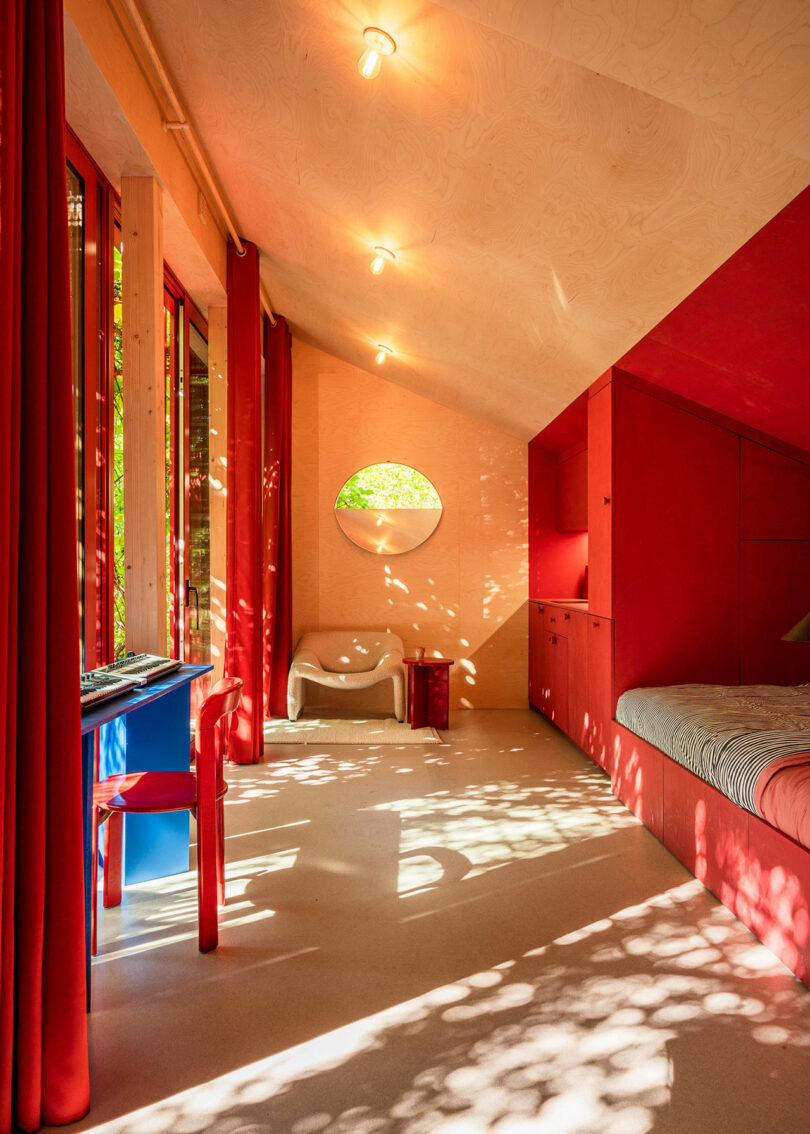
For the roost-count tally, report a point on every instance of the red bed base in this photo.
(760, 874)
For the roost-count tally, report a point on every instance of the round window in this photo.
(388, 508)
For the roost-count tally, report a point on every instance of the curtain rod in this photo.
(266, 304)
(180, 123)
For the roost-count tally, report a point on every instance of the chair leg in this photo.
(206, 864)
(399, 698)
(295, 698)
(113, 846)
(220, 852)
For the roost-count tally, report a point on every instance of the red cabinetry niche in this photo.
(563, 683)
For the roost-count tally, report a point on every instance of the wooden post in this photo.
(218, 478)
(144, 415)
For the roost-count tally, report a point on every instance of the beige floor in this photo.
(467, 938)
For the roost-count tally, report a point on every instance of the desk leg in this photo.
(88, 753)
(419, 696)
(156, 737)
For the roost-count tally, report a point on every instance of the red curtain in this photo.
(243, 652)
(43, 1027)
(277, 559)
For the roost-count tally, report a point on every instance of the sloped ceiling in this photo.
(555, 177)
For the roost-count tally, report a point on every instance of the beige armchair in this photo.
(346, 659)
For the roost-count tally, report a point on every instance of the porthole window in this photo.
(388, 509)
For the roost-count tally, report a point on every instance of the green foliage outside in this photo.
(388, 486)
(119, 612)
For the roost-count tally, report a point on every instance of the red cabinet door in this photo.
(536, 655)
(600, 502)
(600, 689)
(555, 700)
(576, 623)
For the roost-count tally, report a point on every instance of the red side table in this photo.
(428, 691)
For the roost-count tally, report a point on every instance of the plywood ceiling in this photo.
(554, 175)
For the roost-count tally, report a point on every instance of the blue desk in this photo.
(146, 729)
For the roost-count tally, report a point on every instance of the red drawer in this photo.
(554, 620)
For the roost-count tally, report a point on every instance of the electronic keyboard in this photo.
(121, 676)
(140, 668)
(96, 687)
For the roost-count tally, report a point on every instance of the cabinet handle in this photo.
(553, 640)
(606, 499)
(596, 625)
(566, 616)
(552, 619)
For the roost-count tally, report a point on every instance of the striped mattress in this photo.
(731, 736)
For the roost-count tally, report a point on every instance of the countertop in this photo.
(565, 604)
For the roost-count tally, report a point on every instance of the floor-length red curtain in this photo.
(43, 1028)
(243, 650)
(277, 558)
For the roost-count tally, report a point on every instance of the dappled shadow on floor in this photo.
(485, 941)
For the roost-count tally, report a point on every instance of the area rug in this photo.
(357, 730)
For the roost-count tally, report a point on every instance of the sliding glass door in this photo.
(90, 203)
(197, 583)
(187, 478)
(97, 258)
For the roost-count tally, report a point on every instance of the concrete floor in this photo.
(468, 938)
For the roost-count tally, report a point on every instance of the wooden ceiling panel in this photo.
(545, 216)
(744, 63)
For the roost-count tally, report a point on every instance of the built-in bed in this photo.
(751, 742)
(721, 775)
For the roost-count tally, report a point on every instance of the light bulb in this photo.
(382, 353)
(378, 263)
(378, 43)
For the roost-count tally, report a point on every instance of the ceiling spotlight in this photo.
(378, 43)
(383, 352)
(381, 255)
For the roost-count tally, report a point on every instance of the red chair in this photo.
(200, 792)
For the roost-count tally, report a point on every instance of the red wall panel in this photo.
(774, 595)
(739, 342)
(676, 530)
(572, 493)
(774, 495)
(556, 560)
(567, 429)
(600, 502)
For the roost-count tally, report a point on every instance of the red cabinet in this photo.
(555, 700)
(601, 706)
(576, 622)
(553, 620)
(571, 672)
(676, 555)
(774, 495)
(774, 596)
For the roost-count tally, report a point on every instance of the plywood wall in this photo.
(463, 592)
